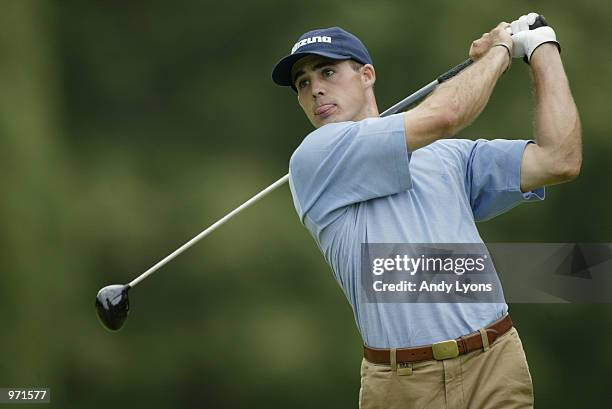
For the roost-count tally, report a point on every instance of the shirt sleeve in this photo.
(493, 177)
(348, 162)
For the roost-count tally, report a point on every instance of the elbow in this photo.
(449, 122)
(572, 172)
(571, 160)
(567, 174)
(566, 157)
(568, 168)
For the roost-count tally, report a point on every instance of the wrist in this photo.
(543, 55)
(502, 54)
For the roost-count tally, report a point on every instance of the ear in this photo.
(368, 75)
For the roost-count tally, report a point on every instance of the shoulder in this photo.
(457, 145)
(370, 137)
(326, 135)
(456, 150)
(319, 142)
(468, 147)
(483, 151)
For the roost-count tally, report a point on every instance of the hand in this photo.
(498, 36)
(526, 41)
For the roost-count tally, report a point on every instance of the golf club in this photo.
(112, 303)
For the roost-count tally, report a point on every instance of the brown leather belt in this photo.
(441, 350)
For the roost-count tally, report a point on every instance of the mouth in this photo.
(325, 110)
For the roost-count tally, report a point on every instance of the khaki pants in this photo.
(498, 378)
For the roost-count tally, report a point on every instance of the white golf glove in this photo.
(526, 41)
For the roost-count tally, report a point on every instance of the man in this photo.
(359, 178)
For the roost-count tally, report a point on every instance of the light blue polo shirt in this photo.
(356, 182)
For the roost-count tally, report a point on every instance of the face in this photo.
(332, 90)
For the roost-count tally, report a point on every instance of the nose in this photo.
(317, 88)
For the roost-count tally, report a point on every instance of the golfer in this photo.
(358, 178)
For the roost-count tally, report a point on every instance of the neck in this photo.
(370, 110)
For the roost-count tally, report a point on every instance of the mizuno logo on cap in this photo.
(311, 40)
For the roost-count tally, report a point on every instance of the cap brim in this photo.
(281, 74)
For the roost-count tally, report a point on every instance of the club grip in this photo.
(540, 21)
(454, 71)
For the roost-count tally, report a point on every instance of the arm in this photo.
(459, 101)
(556, 156)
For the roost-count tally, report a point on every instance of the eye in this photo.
(302, 84)
(328, 72)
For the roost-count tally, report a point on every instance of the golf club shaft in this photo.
(406, 102)
(209, 230)
(427, 89)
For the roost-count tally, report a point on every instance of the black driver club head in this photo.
(112, 306)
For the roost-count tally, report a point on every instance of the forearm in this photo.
(467, 94)
(557, 124)
(456, 103)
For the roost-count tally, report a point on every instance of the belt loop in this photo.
(393, 356)
(485, 339)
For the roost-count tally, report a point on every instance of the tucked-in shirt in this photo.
(356, 182)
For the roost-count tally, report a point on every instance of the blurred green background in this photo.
(128, 127)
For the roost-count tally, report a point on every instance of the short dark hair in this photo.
(356, 65)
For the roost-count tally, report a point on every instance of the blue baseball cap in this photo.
(331, 42)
